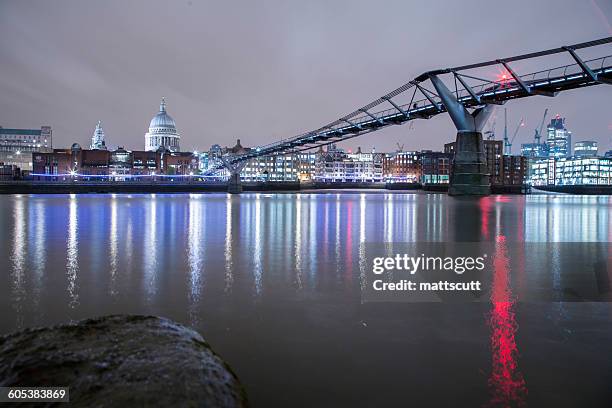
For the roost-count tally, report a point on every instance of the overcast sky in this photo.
(265, 70)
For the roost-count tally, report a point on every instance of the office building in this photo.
(281, 167)
(503, 169)
(534, 150)
(572, 171)
(335, 165)
(17, 145)
(180, 163)
(402, 167)
(559, 139)
(585, 148)
(435, 167)
(120, 162)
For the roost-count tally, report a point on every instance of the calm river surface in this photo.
(273, 282)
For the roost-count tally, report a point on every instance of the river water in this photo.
(273, 282)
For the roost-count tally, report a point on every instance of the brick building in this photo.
(504, 170)
(435, 167)
(402, 167)
(63, 164)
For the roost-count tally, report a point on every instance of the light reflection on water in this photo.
(267, 265)
(195, 253)
(18, 258)
(506, 382)
(113, 246)
(72, 253)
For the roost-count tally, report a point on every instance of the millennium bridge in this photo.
(468, 93)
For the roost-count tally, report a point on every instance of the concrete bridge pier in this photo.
(234, 185)
(469, 173)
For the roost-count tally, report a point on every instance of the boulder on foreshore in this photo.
(121, 361)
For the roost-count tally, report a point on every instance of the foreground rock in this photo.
(121, 361)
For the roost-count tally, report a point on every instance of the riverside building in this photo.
(559, 139)
(504, 169)
(335, 165)
(17, 145)
(572, 171)
(585, 148)
(120, 164)
(402, 167)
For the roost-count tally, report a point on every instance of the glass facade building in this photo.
(559, 139)
(585, 148)
(572, 171)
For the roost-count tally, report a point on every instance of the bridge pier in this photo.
(469, 173)
(234, 185)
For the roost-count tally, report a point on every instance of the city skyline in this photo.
(274, 71)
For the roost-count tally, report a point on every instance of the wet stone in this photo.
(121, 361)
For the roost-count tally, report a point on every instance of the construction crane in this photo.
(518, 127)
(400, 147)
(538, 132)
(507, 141)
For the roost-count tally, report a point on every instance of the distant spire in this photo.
(162, 105)
(97, 139)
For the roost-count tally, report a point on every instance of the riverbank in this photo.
(106, 187)
(38, 187)
(581, 190)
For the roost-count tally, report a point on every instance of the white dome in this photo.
(162, 119)
(162, 132)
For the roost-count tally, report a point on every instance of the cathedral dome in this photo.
(162, 119)
(162, 132)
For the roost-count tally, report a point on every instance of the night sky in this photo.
(265, 70)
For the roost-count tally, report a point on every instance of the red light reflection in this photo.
(485, 212)
(506, 382)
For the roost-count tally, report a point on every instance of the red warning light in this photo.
(503, 78)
